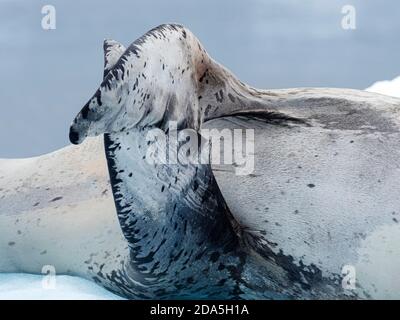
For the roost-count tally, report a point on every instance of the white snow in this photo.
(387, 87)
(33, 287)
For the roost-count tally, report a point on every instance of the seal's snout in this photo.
(73, 136)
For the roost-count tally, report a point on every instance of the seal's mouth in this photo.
(74, 136)
(81, 125)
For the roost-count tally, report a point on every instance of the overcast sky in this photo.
(47, 76)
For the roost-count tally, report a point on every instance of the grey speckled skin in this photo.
(324, 193)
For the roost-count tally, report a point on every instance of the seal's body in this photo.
(57, 210)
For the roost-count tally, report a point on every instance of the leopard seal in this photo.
(325, 158)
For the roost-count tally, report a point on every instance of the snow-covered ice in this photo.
(387, 87)
(30, 287)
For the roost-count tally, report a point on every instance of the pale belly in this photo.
(58, 210)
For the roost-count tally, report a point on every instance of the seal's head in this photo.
(107, 110)
(100, 112)
(150, 82)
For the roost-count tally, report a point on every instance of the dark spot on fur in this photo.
(190, 280)
(219, 96)
(97, 95)
(203, 76)
(311, 185)
(11, 243)
(221, 282)
(231, 97)
(85, 111)
(56, 199)
(214, 256)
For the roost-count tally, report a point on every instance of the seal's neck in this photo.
(175, 221)
(220, 93)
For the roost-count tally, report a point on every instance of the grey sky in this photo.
(47, 76)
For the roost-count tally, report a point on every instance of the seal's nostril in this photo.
(73, 136)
